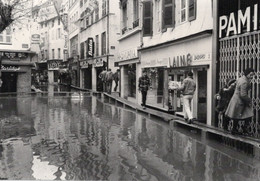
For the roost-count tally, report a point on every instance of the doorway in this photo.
(202, 96)
(9, 82)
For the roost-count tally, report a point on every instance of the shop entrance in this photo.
(99, 82)
(9, 82)
(202, 96)
(87, 73)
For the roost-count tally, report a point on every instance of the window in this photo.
(42, 53)
(184, 10)
(92, 18)
(168, 14)
(53, 23)
(124, 16)
(104, 7)
(103, 45)
(5, 36)
(46, 54)
(97, 13)
(97, 45)
(136, 9)
(58, 53)
(82, 50)
(192, 10)
(87, 22)
(53, 54)
(147, 18)
(58, 33)
(58, 21)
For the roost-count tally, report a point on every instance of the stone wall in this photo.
(24, 81)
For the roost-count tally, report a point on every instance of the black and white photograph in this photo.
(130, 90)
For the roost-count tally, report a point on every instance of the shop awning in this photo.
(126, 62)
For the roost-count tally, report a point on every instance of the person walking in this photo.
(188, 88)
(116, 76)
(143, 86)
(240, 105)
(102, 78)
(109, 80)
(223, 98)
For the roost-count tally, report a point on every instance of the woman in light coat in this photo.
(239, 107)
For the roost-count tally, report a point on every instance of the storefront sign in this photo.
(98, 63)
(90, 47)
(10, 68)
(13, 55)
(128, 54)
(53, 64)
(180, 61)
(84, 64)
(202, 57)
(66, 42)
(236, 21)
(156, 63)
(35, 38)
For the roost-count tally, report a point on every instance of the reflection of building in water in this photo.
(16, 160)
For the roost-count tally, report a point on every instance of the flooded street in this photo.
(71, 138)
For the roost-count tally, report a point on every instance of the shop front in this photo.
(98, 65)
(169, 65)
(53, 70)
(16, 71)
(86, 74)
(238, 38)
(128, 61)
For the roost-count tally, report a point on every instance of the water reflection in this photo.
(84, 139)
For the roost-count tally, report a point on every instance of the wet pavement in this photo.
(81, 138)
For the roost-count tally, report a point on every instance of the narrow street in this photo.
(82, 138)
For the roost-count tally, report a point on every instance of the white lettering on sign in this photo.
(90, 47)
(11, 68)
(128, 54)
(98, 63)
(180, 61)
(201, 57)
(66, 41)
(229, 25)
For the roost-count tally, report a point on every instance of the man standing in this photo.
(143, 85)
(109, 80)
(116, 78)
(188, 88)
(102, 78)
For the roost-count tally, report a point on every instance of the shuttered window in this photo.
(168, 14)
(147, 18)
(192, 10)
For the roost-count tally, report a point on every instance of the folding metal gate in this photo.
(236, 54)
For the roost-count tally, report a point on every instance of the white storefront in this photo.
(170, 62)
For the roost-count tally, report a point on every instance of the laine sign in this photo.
(235, 22)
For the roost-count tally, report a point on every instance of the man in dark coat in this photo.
(143, 86)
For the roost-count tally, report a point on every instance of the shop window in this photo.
(147, 18)
(168, 14)
(103, 45)
(5, 36)
(97, 45)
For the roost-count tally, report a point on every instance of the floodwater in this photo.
(47, 137)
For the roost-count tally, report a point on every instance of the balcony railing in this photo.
(136, 23)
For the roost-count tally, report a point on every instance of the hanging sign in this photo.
(90, 48)
(53, 64)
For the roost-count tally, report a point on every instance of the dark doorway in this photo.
(9, 82)
(87, 78)
(202, 96)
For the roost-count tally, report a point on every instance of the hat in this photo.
(190, 74)
(231, 81)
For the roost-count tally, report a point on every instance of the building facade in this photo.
(238, 48)
(176, 37)
(52, 40)
(16, 58)
(130, 40)
(99, 31)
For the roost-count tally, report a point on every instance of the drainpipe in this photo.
(108, 33)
